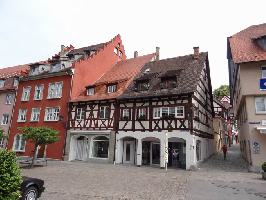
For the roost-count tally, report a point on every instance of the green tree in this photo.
(39, 136)
(222, 91)
(10, 176)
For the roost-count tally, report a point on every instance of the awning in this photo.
(262, 129)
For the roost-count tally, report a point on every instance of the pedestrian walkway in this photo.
(219, 179)
(233, 162)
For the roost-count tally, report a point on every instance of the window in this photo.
(26, 94)
(35, 114)
(126, 114)
(180, 111)
(38, 92)
(142, 113)
(5, 119)
(22, 115)
(120, 54)
(111, 88)
(263, 72)
(9, 98)
(52, 114)
(80, 114)
(100, 147)
(260, 104)
(2, 83)
(55, 90)
(169, 112)
(90, 91)
(15, 82)
(143, 85)
(19, 143)
(104, 112)
(169, 82)
(116, 51)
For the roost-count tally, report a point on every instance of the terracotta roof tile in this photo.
(13, 71)
(122, 73)
(243, 45)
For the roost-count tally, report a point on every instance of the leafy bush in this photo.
(263, 166)
(10, 177)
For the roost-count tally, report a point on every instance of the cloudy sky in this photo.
(33, 30)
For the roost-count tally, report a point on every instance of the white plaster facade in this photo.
(206, 148)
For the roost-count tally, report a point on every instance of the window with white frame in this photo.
(15, 83)
(38, 92)
(2, 83)
(111, 88)
(26, 94)
(172, 112)
(2, 142)
(126, 113)
(55, 90)
(19, 143)
(260, 104)
(142, 113)
(80, 114)
(263, 72)
(35, 114)
(156, 113)
(104, 112)
(90, 91)
(22, 115)
(180, 111)
(52, 114)
(9, 98)
(5, 118)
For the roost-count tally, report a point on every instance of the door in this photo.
(82, 148)
(155, 153)
(129, 149)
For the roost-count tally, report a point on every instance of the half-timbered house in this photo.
(93, 116)
(165, 115)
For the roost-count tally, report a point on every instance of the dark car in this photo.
(31, 188)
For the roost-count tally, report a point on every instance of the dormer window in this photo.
(168, 82)
(2, 83)
(90, 91)
(143, 85)
(111, 88)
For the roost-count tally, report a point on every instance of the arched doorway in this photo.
(176, 152)
(79, 149)
(100, 147)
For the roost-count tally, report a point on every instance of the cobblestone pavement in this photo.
(80, 180)
(222, 180)
(215, 180)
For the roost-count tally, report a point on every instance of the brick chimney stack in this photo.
(135, 54)
(196, 52)
(157, 54)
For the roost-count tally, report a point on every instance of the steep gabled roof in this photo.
(187, 69)
(13, 71)
(244, 47)
(121, 73)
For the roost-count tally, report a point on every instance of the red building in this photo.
(43, 95)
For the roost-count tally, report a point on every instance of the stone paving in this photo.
(215, 180)
(225, 179)
(81, 180)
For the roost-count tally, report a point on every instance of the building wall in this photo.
(54, 150)
(6, 109)
(89, 70)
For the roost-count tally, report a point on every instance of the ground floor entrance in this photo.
(177, 155)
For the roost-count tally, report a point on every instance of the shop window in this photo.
(100, 147)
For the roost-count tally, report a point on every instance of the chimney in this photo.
(62, 47)
(135, 54)
(196, 52)
(157, 54)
